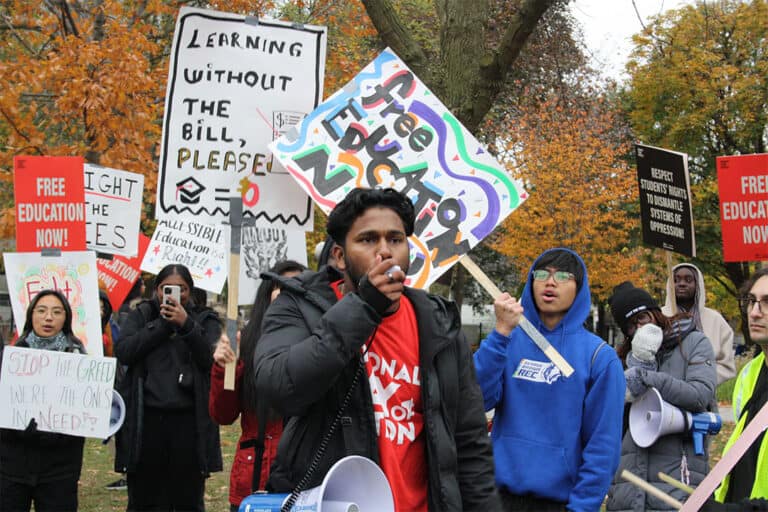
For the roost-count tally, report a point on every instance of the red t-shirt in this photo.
(392, 361)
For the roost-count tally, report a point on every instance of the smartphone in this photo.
(171, 290)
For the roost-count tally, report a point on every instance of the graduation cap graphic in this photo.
(188, 191)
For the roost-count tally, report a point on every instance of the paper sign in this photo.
(50, 203)
(202, 248)
(119, 274)
(64, 392)
(73, 274)
(113, 200)
(385, 128)
(260, 249)
(665, 199)
(743, 185)
(235, 83)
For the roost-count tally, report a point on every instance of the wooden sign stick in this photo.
(716, 475)
(639, 482)
(538, 338)
(235, 223)
(675, 483)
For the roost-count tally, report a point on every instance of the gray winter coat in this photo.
(686, 378)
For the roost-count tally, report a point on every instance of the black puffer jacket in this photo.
(32, 456)
(307, 358)
(141, 334)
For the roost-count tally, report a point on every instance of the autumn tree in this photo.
(699, 84)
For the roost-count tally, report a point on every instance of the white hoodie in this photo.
(708, 321)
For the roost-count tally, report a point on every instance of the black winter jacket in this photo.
(141, 333)
(307, 359)
(32, 456)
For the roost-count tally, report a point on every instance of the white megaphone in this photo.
(353, 484)
(650, 417)
(116, 414)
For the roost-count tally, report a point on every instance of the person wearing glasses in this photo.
(669, 354)
(748, 480)
(556, 440)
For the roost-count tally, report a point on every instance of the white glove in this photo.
(646, 342)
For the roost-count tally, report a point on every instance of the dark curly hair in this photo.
(361, 199)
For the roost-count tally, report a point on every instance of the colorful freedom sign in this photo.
(743, 185)
(202, 248)
(113, 209)
(73, 274)
(50, 203)
(665, 199)
(385, 128)
(235, 83)
(65, 393)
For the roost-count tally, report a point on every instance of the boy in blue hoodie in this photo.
(556, 440)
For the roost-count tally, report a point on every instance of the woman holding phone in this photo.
(168, 443)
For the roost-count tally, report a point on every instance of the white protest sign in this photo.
(260, 249)
(113, 200)
(64, 392)
(235, 83)
(385, 128)
(72, 273)
(202, 248)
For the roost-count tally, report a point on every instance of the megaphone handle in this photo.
(698, 443)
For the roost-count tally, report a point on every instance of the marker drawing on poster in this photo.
(260, 249)
(236, 83)
(386, 129)
(113, 200)
(202, 248)
(72, 273)
(64, 392)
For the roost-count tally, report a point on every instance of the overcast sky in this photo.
(608, 26)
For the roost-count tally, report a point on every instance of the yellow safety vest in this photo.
(745, 385)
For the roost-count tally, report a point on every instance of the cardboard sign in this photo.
(119, 274)
(202, 248)
(113, 200)
(386, 129)
(235, 83)
(50, 203)
(73, 274)
(65, 393)
(260, 249)
(665, 199)
(742, 182)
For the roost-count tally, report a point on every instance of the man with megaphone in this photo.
(361, 364)
(670, 355)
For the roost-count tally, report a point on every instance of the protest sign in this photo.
(260, 249)
(113, 201)
(72, 273)
(50, 203)
(743, 186)
(120, 273)
(64, 392)
(665, 199)
(385, 128)
(235, 83)
(202, 248)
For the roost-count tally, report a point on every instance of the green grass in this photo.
(97, 473)
(724, 392)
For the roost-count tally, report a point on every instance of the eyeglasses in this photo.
(748, 303)
(641, 318)
(561, 276)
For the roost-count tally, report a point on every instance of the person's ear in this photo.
(337, 252)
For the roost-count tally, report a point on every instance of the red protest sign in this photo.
(743, 185)
(50, 203)
(120, 273)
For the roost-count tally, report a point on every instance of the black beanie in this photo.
(627, 301)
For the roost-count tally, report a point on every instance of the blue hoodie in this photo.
(554, 437)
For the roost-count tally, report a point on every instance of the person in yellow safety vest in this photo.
(747, 483)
